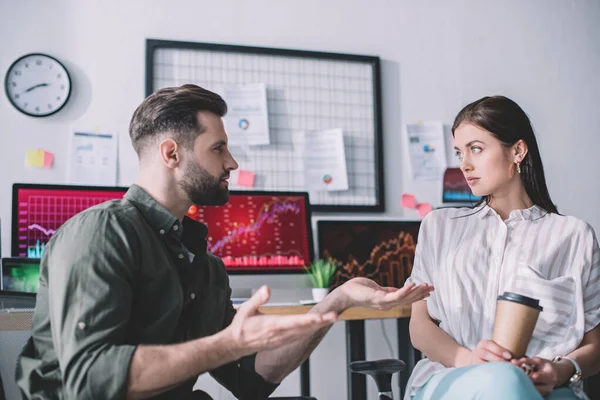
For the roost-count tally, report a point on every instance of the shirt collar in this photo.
(159, 218)
(528, 214)
(163, 222)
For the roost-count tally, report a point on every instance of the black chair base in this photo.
(381, 371)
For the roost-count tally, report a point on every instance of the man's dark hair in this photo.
(173, 110)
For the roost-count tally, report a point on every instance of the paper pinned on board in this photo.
(247, 118)
(323, 158)
(427, 150)
(93, 159)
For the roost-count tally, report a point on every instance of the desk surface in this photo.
(21, 321)
(354, 313)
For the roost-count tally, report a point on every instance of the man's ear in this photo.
(520, 150)
(169, 153)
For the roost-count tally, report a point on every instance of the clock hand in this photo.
(36, 86)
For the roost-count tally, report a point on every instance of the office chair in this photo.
(381, 371)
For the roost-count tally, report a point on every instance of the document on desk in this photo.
(247, 119)
(323, 159)
(427, 150)
(93, 159)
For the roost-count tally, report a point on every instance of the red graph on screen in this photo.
(42, 211)
(257, 233)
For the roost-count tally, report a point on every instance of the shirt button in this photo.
(162, 231)
(180, 255)
(81, 325)
(175, 227)
(193, 296)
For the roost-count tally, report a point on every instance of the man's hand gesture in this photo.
(363, 292)
(252, 331)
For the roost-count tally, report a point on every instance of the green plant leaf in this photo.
(321, 273)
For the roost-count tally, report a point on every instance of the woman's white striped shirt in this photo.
(471, 256)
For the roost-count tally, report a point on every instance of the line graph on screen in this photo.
(42, 211)
(257, 232)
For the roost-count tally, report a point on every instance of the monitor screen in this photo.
(39, 210)
(456, 189)
(382, 250)
(255, 232)
(20, 274)
(259, 232)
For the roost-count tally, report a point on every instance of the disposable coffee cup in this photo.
(516, 316)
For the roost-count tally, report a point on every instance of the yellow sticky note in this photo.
(34, 158)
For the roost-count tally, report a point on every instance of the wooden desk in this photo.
(354, 313)
(355, 341)
(355, 344)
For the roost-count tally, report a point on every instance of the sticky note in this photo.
(34, 158)
(409, 201)
(423, 209)
(48, 159)
(245, 178)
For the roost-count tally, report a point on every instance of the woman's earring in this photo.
(519, 168)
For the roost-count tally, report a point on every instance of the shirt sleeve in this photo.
(424, 264)
(591, 282)
(240, 377)
(90, 274)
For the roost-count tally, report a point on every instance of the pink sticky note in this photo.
(245, 178)
(48, 159)
(409, 201)
(423, 209)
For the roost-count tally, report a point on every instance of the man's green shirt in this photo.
(124, 273)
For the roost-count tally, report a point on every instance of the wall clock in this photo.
(38, 85)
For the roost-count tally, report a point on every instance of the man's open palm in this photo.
(364, 292)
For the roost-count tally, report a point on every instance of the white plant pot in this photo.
(319, 293)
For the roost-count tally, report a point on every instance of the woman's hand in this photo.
(544, 375)
(485, 351)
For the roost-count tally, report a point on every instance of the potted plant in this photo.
(321, 273)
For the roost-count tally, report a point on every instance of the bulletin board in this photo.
(306, 91)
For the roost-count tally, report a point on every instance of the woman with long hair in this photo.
(513, 240)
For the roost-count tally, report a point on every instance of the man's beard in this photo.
(202, 188)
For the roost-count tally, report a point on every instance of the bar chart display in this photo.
(40, 212)
(258, 233)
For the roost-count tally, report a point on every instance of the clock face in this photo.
(37, 85)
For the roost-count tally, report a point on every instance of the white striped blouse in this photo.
(471, 256)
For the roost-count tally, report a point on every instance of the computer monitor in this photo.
(255, 232)
(379, 249)
(20, 274)
(456, 189)
(260, 232)
(39, 210)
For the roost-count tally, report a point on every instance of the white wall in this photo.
(437, 56)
